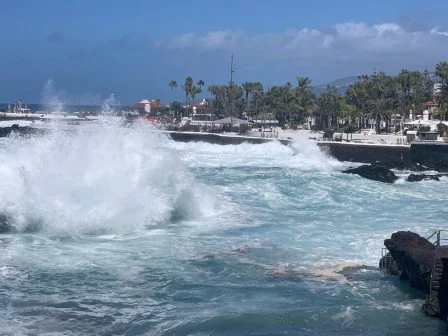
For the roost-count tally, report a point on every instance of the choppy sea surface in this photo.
(125, 232)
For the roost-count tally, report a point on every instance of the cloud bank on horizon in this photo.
(349, 41)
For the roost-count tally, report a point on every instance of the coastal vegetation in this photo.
(378, 96)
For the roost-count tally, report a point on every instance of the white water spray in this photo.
(51, 99)
(109, 106)
(110, 180)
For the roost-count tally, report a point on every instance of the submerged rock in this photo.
(374, 172)
(421, 177)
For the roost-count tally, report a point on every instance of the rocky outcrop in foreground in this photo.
(374, 172)
(414, 258)
(21, 130)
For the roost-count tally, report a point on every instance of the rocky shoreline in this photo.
(381, 173)
(20, 130)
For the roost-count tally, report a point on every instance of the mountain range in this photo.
(342, 84)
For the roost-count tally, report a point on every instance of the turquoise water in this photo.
(123, 232)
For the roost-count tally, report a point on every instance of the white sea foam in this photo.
(302, 153)
(108, 180)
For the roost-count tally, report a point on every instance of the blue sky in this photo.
(92, 48)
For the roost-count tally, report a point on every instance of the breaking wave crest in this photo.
(102, 180)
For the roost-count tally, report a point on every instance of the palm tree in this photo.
(356, 96)
(329, 108)
(247, 87)
(173, 84)
(304, 96)
(257, 97)
(193, 92)
(200, 83)
(442, 92)
(187, 88)
(176, 107)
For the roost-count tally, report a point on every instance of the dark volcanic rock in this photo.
(374, 172)
(425, 266)
(414, 256)
(415, 167)
(25, 130)
(421, 177)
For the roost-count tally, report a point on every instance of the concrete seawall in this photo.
(220, 139)
(392, 155)
(430, 154)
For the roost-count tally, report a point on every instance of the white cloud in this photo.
(347, 41)
(439, 31)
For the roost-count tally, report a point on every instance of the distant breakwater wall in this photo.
(28, 117)
(220, 139)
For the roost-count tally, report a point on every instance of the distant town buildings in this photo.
(150, 106)
(18, 107)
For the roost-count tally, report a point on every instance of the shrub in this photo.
(350, 129)
(328, 134)
(423, 128)
(442, 129)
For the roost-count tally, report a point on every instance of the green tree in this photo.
(176, 107)
(304, 98)
(173, 84)
(247, 87)
(442, 92)
(200, 83)
(329, 107)
(187, 88)
(427, 86)
(193, 92)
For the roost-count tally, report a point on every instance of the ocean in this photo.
(125, 232)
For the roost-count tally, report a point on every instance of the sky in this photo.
(82, 51)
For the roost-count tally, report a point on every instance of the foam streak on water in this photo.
(141, 235)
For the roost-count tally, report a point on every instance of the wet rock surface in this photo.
(425, 266)
(374, 172)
